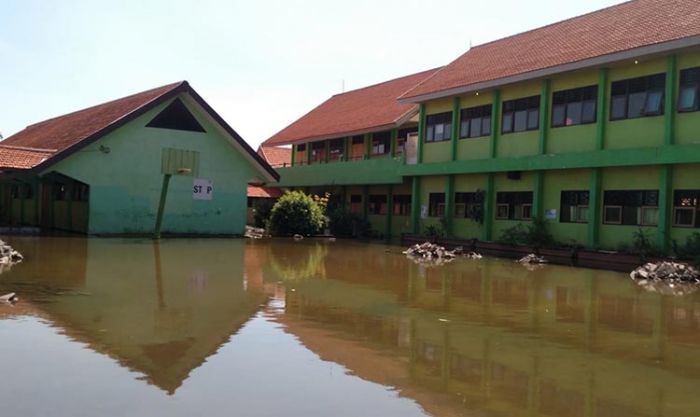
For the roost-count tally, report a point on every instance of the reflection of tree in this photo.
(297, 261)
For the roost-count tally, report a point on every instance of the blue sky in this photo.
(261, 64)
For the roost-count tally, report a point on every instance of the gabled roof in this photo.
(16, 157)
(634, 28)
(276, 156)
(359, 111)
(63, 135)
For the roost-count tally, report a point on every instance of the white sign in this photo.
(550, 214)
(423, 212)
(203, 189)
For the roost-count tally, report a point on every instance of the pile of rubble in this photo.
(429, 253)
(8, 257)
(532, 259)
(667, 278)
(254, 232)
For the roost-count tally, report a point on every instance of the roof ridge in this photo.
(435, 69)
(172, 85)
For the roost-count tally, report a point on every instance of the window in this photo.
(574, 107)
(59, 192)
(686, 204)
(521, 115)
(574, 207)
(81, 192)
(514, 205)
(301, 147)
(438, 127)
(637, 97)
(688, 91)
(336, 150)
(475, 122)
(176, 117)
(318, 152)
(436, 204)
(21, 192)
(402, 205)
(357, 151)
(401, 139)
(381, 143)
(631, 207)
(356, 203)
(377, 204)
(468, 206)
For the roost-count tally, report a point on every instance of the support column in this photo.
(415, 205)
(368, 145)
(544, 116)
(537, 194)
(665, 199)
(670, 101)
(392, 142)
(495, 118)
(308, 152)
(601, 112)
(389, 212)
(489, 197)
(347, 148)
(294, 154)
(421, 132)
(161, 205)
(449, 204)
(594, 208)
(455, 128)
(327, 151)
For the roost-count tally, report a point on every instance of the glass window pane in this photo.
(439, 131)
(654, 102)
(475, 130)
(687, 98)
(520, 121)
(464, 129)
(558, 114)
(635, 106)
(650, 216)
(533, 119)
(573, 113)
(507, 122)
(618, 109)
(448, 131)
(486, 126)
(582, 214)
(612, 215)
(588, 112)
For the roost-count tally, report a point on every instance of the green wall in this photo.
(125, 184)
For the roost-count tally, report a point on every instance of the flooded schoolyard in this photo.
(209, 327)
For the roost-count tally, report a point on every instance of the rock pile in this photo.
(429, 253)
(254, 232)
(532, 259)
(10, 298)
(8, 257)
(473, 255)
(668, 278)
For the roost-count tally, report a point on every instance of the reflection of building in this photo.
(157, 308)
(590, 123)
(104, 169)
(492, 336)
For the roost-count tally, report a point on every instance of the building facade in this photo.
(598, 136)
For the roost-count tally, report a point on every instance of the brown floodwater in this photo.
(210, 327)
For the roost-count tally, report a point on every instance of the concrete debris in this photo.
(298, 237)
(473, 255)
(254, 232)
(10, 298)
(668, 278)
(429, 253)
(532, 259)
(8, 257)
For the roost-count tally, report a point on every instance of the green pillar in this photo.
(537, 194)
(161, 205)
(489, 197)
(455, 128)
(670, 101)
(449, 204)
(594, 208)
(544, 116)
(368, 145)
(392, 142)
(327, 151)
(495, 116)
(347, 147)
(308, 153)
(665, 200)
(389, 212)
(365, 201)
(294, 153)
(415, 205)
(421, 132)
(601, 104)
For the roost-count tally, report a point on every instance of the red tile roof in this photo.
(257, 191)
(276, 156)
(363, 110)
(14, 157)
(619, 28)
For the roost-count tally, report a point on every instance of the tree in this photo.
(297, 213)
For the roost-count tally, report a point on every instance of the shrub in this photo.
(262, 209)
(515, 235)
(535, 234)
(433, 230)
(297, 213)
(642, 244)
(690, 250)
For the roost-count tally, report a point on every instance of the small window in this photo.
(686, 204)
(475, 122)
(436, 204)
(301, 147)
(401, 139)
(356, 203)
(318, 151)
(438, 127)
(502, 211)
(574, 207)
(637, 97)
(521, 115)
(612, 215)
(631, 207)
(526, 211)
(688, 91)
(468, 206)
(684, 216)
(336, 150)
(516, 205)
(381, 143)
(81, 192)
(377, 204)
(402, 205)
(574, 107)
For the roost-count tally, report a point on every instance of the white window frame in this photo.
(464, 210)
(578, 214)
(684, 208)
(641, 215)
(522, 211)
(605, 209)
(507, 206)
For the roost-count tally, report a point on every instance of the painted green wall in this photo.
(554, 183)
(436, 151)
(125, 183)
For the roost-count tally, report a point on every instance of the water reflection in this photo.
(483, 337)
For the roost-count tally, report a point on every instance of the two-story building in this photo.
(591, 124)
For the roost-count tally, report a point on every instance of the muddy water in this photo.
(231, 327)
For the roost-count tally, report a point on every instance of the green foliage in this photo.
(642, 244)
(690, 250)
(262, 209)
(297, 213)
(344, 223)
(535, 234)
(433, 230)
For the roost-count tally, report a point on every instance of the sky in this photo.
(260, 64)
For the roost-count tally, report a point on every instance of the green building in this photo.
(591, 124)
(113, 168)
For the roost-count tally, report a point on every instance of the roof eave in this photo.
(654, 49)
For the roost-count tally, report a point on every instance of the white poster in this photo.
(203, 189)
(550, 214)
(423, 212)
